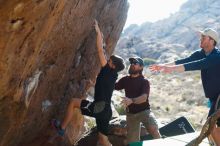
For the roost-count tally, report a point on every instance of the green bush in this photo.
(149, 61)
(91, 123)
(120, 109)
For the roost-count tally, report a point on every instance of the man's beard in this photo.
(133, 72)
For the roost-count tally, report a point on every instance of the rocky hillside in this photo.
(47, 56)
(173, 37)
(174, 95)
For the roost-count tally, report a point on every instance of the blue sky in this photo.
(151, 10)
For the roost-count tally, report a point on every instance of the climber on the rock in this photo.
(100, 108)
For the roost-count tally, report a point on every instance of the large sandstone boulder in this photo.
(47, 56)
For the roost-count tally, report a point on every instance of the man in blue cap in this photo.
(136, 101)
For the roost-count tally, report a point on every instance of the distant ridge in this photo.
(172, 37)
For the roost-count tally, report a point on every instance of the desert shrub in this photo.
(120, 109)
(91, 123)
(149, 61)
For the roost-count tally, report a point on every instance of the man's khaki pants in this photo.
(133, 124)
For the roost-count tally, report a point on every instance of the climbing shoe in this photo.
(56, 124)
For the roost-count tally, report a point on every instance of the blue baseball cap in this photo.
(137, 60)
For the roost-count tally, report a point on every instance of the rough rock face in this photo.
(48, 55)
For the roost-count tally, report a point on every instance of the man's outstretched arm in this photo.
(140, 99)
(167, 68)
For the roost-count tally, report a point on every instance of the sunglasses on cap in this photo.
(135, 63)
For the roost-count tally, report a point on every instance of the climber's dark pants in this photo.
(101, 111)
